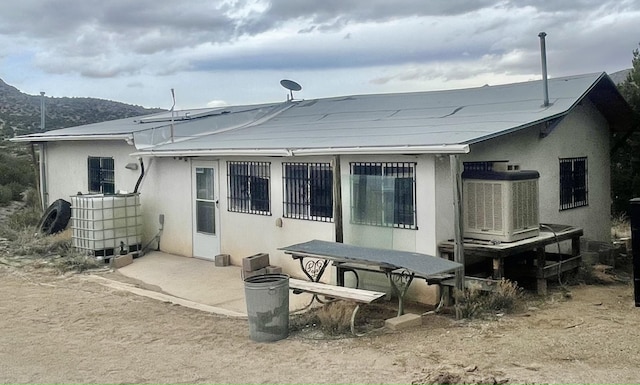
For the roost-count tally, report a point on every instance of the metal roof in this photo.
(438, 121)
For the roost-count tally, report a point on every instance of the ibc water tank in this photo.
(104, 225)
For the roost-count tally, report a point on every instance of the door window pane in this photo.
(204, 183)
(205, 217)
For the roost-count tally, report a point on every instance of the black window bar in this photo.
(308, 191)
(385, 201)
(574, 190)
(101, 175)
(248, 187)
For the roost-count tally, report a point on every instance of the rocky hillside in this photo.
(620, 76)
(20, 113)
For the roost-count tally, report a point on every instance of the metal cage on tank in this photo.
(106, 225)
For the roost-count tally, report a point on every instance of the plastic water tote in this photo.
(267, 298)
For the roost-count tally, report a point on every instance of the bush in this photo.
(335, 317)
(5, 195)
(472, 302)
(16, 191)
(505, 298)
(468, 302)
(14, 169)
(32, 198)
(26, 218)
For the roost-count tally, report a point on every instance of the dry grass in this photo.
(333, 319)
(473, 303)
(620, 227)
(25, 248)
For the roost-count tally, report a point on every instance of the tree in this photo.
(625, 161)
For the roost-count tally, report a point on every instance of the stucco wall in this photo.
(584, 132)
(66, 166)
(166, 189)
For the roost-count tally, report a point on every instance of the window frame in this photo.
(573, 178)
(101, 175)
(247, 185)
(402, 172)
(310, 178)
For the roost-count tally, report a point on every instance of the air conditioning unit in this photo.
(500, 206)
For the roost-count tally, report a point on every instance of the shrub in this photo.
(26, 218)
(16, 191)
(505, 298)
(472, 302)
(5, 195)
(468, 302)
(32, 199)
(335, 317)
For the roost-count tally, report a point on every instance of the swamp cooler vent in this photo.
(106, 225)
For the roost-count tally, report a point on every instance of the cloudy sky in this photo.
(236, 51)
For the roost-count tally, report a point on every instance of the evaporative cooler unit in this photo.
(106, 225)
(500, 206)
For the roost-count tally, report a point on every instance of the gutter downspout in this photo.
(44, 194)
(36, 172)
(135, 190)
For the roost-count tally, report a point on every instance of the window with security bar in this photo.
(574, 191)
(101, 175)
(383, 194)
(308, 191)
(248, 187)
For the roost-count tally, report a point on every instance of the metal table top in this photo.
(420, 264)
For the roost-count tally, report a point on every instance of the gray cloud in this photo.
(97, 38)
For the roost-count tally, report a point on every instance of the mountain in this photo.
(620, 76)
(20, 112)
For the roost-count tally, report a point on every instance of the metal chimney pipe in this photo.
(42, 111)
(543, 56)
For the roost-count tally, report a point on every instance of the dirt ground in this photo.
(69, 329)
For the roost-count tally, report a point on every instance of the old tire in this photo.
(55, 218)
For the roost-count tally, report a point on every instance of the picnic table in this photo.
(400, 267)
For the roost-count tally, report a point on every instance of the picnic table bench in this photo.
(359, 296)
(401, 267)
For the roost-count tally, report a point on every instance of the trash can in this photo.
(267, 298)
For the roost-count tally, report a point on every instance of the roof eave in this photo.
(396, 150)
(60, 138)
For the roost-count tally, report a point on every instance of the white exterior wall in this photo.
(166, 189)
(244, 234)
(421, 240)
(584, 132)
(67, 171)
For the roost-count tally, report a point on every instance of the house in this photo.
(246, 179)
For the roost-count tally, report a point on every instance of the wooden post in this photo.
(337, 199)
(458, 245)
(541, 281)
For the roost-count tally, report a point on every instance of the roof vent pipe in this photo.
(543, 56)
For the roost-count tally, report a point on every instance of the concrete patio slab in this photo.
(194, 283)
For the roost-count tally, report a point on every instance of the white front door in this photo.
(206, 219)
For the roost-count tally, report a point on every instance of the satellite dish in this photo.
(291, 86)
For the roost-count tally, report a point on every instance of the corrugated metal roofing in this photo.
(418, 120)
